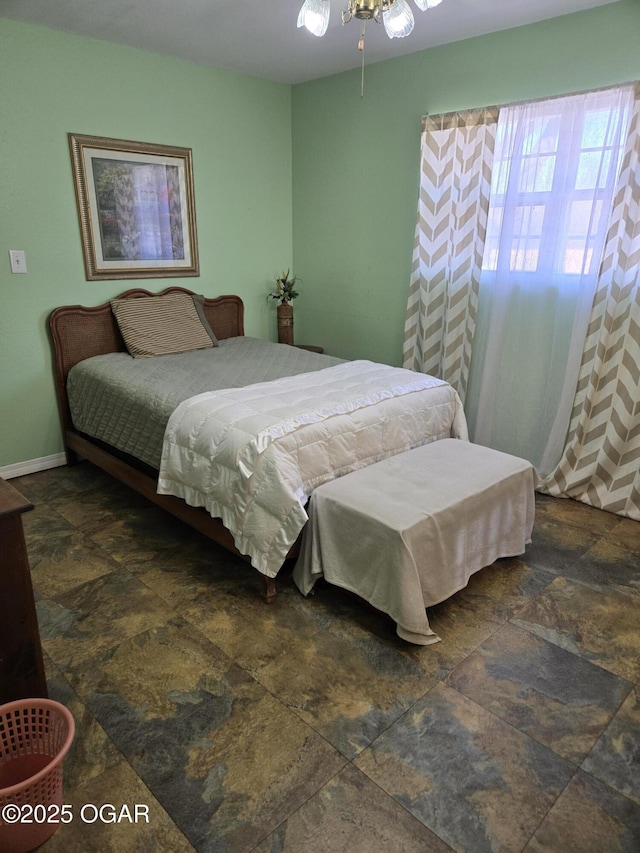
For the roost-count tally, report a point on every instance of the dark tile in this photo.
(43, 527)
(346, 684)
(92, 752)
(60, 556)
(63, 481)
(602, 627)
(230, 784)
(195, 573)
(626, 534)
(564, 531)
(615, 759)
(162, 639)
(64, 558)
(351, 813)
(555, 545)
(608, 565)
(92, 509)
(236, 617)
(166, 683)
(26, 485)
(149, 829)
(499, 591)
(461, 627)
(588, 818)
(335, 606)
(473, 780)
(136, 536)
(563, 512)
(78, 625)
(160, 562)
(556, 697)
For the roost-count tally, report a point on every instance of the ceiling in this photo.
(260, 38)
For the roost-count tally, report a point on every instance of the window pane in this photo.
(541, 135)
(524, 255)
(593, 170)
(537, 174)
(500, 177)
(584, 218)
(550, 133)
(600, 128)
(583, 226)
(525, 245)
(492, 241)
(578, 257)
(527, 220)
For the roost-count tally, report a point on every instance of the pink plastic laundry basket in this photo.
(35, 736)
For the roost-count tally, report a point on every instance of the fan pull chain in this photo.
(361, 49)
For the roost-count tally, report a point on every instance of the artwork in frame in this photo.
(136, 207)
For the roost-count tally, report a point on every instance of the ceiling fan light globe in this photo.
(398, 20)
(314, 16)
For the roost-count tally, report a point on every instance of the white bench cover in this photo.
(409, 531)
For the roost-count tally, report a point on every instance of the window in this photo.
(553, 178)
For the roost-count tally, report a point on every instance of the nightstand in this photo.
(311, 349)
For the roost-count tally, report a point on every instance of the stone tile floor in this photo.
(308, 725)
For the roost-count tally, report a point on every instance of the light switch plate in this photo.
(18, 261)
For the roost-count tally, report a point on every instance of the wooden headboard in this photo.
(78, 332)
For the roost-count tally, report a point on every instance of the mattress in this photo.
(127, 402)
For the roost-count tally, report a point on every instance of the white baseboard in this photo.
(32, 466)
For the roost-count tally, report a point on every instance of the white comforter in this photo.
(252, 456)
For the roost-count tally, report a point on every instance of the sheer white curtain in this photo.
(555, 169)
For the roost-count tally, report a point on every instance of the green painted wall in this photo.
(356, 160)
(352, 199)
(239, 129)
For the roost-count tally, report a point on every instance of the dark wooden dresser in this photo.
(21, 667)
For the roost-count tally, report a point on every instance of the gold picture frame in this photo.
(136, 207)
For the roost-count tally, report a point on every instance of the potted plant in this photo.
(285, 292)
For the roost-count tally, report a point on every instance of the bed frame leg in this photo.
(270, 591)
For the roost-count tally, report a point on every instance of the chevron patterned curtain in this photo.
(600, 464)
(455, 183)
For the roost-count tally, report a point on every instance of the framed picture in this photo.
(136, 207)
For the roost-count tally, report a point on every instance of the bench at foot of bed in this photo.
(408, 532)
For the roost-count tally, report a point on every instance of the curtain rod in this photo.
(491, 113)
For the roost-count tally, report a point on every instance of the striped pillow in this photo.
(160, 325)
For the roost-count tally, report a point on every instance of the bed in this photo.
(265, 438)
